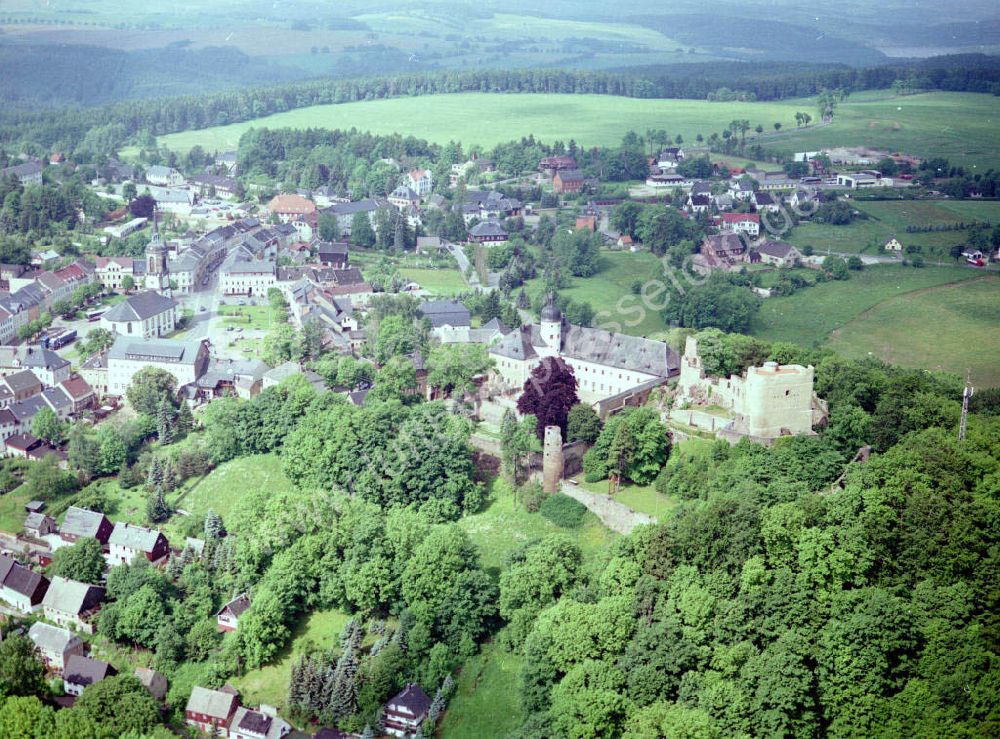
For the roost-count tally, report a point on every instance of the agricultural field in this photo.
(951, 327)
(888, 218)
(954, 125)
(859, 316)
(488, 118)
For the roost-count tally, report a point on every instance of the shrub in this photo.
(563, 511)
(533, 496)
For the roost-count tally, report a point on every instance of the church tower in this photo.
(157, 274)
(551, 324)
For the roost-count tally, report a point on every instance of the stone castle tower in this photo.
(552, 459)
(157, 273)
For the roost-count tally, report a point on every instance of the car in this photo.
(242, 302)
(202, 309)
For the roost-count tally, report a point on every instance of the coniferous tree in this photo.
(154, 477)
(184, 422)
(213, 526)
(156, 507)
(165, 422)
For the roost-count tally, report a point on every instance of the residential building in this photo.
(164, 176)
(720, 251)
(764, 201)
(606, 364)
(228, 616)
(406, 711)
(224, 187)
(211, 711)
(291, 207)
(47, 366)
(333, 254)
(450, 320)
(57, 646)
(29, 173)
(82, 523)
(112, 271)
(345, 212)
(155, 682)
(488, 232)
(21, 587)
(38, 525)
(81, 672)
(747, 223)
(779, 253)
(699, 203)
(144, 315)
(243, 274)
(79, 392)
(420, 181)
(241, 377)
(94, 371)
(404, 197)
(893, 245)
(260, 724)
(19, 386)
(185, 360)
(552, 164)
(72, 604)
(129, 541)
(568, 181)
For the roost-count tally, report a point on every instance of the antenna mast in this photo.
(966, 394)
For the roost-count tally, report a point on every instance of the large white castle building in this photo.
(768, 402)
(605, 364)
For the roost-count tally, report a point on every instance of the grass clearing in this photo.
(500, 528)
(951, 327)
(487, 699)
(609, 292)
(246, 316)
(269, 684)
(809, 316)
(640, 498)
(225, 487)
(437, 281)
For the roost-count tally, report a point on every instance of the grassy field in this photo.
(492, 118)
(437, 281)
(890, 218)
(819, 315)
(951, 327)
(223, 488)
(955, 125)
(487, 697)
(958, 126)
(501, 528)
(269, 684)
(612, 284)
(641, 498)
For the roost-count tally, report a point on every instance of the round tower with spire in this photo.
(551, 324)
(157, 273)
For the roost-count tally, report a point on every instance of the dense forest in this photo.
(133, 121)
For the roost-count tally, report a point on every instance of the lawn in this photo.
(952, 327)
(224, 488)
(246, 316)
(641, 498)
(609, 292)
(809, 316)
(12, 511)
(437, 281)
(487, 697)
(269, 684)
(500, 529)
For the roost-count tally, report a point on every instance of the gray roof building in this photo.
(445, 313)
(72, 597)
(81, 522)
(51, 638)
(138, 538)
(140, 307)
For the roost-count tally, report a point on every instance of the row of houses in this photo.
(221, 713)
(26, 293)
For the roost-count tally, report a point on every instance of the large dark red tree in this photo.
(548, 394)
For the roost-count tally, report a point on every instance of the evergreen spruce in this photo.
(170, 481)
(184, 423)
(345, 690)
(157, 510)
(165, 422)
(213, 526)
(154, 477)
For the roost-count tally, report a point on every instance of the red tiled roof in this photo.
(740, 217)
(291, 203)
(103, 262)
(76, 387)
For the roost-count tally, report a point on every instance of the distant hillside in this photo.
(761, 38)
(48, 74)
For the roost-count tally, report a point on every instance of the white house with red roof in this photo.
(747, 223)
(420, 181)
